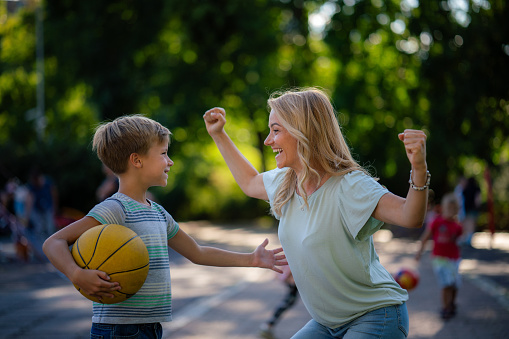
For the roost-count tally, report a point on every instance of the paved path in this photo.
(483, 308)
(210, 302)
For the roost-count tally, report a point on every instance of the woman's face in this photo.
(282, 143)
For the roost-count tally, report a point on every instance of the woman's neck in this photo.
(312, 184)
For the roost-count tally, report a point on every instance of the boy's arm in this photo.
(212, 256)
(246, 176)
(56, 248)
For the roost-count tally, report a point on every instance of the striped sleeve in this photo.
(109, 211)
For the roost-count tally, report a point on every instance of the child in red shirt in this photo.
(445, 232)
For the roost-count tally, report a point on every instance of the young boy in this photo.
(445, 232)
(135, 149)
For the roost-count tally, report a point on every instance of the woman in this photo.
(328, 208)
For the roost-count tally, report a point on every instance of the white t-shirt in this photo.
(330, 248)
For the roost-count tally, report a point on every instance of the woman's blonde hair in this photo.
(115, 141)
(309, 117)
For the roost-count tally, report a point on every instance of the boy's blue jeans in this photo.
(126, 331)
(387, 322)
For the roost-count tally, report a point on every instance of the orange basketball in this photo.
(118, 251)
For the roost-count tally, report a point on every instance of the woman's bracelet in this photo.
(420, 188)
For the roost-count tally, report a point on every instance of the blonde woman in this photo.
(328, 209)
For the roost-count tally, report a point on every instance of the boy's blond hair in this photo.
(116, 140)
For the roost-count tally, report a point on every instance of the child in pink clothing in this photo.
(445, 232)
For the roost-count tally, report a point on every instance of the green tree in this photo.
(388, 65)
(170, 60)
(432, 65)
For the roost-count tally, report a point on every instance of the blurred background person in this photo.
(445, 231)
(291, 296)
(472, 204)
(44, 199)
(109, 186)
(458, 190)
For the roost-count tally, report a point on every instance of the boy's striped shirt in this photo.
(154, 225)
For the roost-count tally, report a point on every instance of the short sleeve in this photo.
(173, 226)
(271, 180)
(110, 211)
(358, 197)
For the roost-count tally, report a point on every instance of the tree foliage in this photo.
(388, 65)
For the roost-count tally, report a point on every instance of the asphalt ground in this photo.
(210, 302)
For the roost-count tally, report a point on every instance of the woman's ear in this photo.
(135, 160)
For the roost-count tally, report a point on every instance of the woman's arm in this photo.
(212, 256)
(246, 176)
(410, 211)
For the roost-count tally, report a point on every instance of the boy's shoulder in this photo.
(160, 208)
(130, 203)
(109, 211)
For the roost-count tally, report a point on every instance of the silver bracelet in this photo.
(420, 188)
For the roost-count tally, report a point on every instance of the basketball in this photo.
(407, 278)
(119, 252)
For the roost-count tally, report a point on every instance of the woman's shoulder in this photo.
(277, 170)
(356, 180)
(274, 175)
(353, 177)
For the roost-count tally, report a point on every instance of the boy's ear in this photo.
(135, 160)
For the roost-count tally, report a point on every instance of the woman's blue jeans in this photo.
(126, 331)
(389, 322)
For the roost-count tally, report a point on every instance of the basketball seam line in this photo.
(131, 270)
(79, 252)
(118, 249)
(95, 247)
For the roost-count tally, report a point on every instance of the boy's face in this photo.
(156, 164)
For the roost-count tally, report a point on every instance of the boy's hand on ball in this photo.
(269, 258)
(96, 283)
